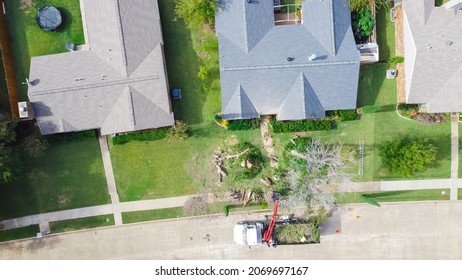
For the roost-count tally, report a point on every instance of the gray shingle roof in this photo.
(118, 85)
(253, 57)
(433, 54)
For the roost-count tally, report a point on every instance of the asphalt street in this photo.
(424, 230)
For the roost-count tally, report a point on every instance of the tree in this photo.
(312, 166)
(196, 12)
(363, 22)
(7, 138)
(408, 155)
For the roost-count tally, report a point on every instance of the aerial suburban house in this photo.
(292, 61)
(117, 83)
(433, 54)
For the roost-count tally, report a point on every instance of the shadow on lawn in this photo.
(385, 194)
(371, 79)
(182, 65)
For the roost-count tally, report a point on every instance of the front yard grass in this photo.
(69, 175)
(393, 196)
(28, 40)
(19, 233)
(81, 223)
(151, 215)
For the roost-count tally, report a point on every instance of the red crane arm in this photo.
(269, 232)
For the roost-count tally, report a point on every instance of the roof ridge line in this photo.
(334, 52)
(116, 82)
(332, 63)
(121, 37)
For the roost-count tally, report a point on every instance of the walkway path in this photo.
(268, 141)
(110, 180)
(454, 153)
(94, 211)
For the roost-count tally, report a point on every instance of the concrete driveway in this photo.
(426, 230)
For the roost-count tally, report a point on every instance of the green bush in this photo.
(363, 22)
(244, 124)
(396, 59)
(302, 125)
(87, 134)
(408, 110)
(348, 115)
(407, 156)
(149, 135)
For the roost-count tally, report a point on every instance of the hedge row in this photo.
(141, 136)
(69, 136)
(302, 125)
(344, 115)
(244, 124)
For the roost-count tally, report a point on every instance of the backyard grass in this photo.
(69, 175)
(19, 233)
(385, 34)
(393, 196)
(28, 40)
(82, 223)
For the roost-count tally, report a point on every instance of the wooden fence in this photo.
(8, 64)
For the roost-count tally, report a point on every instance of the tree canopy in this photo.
(7, 138)
(196, 12)
(407, 156)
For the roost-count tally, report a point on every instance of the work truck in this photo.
(277, 231)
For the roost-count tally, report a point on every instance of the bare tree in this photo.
(311, 171)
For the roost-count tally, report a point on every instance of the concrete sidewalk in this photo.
(171, 202)
(93, 211)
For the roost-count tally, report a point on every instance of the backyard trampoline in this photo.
(49, 18)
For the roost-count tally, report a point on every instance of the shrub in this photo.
(180, 130)
(244, 124)
(408, 110)
(195, 205)
(203, 73)
(396, 59)
(363, 22)
(196, 12)
(348, 115)
(302, 125)
(407, 156)
(148, 135)
(69, 136)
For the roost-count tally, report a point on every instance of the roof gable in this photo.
(240, 106)
(301, 102)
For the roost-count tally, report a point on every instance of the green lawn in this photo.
(177, 212)
(385, 40)
(82, 223)
(69, 175)
(19, 233)
(28, 40)
(151, 215)
(393, 196)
